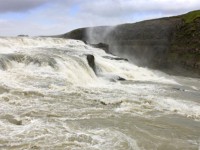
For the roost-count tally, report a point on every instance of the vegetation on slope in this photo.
(191, 16)
(185, 46)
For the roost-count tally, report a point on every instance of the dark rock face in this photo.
(185, 46)
(139, 42)
(116, 58)
(121, 79)
(78, 34)
(164, 43)
(91, 62)
(103, 46)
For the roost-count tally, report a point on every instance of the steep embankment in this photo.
(185, 46)
(167, 43)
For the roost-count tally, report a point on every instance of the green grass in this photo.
(190, 17)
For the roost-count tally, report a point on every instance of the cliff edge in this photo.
(171, 43)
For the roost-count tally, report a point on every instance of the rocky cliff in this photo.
(168, 43)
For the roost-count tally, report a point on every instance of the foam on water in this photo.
(130, 71)
(70, 68)
(69, 60)
(46, 84)
(62, 136)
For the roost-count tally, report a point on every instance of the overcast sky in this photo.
(52, 17)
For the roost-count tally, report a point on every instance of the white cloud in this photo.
(125, 7)
(19, 5)
(57, 18)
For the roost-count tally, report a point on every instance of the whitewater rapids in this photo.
(51, 99)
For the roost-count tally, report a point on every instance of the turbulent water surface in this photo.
(51, 99)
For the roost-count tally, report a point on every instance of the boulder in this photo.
(91, 62)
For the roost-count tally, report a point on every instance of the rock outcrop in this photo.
(165, 43)
(103, 46)
(91, 62)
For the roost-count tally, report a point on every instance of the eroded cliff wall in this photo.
(166, 43)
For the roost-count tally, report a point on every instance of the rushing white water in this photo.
(52, 99)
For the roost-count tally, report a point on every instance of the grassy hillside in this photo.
(185, 46)
(191, 16)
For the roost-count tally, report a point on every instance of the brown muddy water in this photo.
(51, 99)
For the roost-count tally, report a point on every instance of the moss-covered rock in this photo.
(185, 45)
(191, 16)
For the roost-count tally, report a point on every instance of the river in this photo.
(51, 99)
